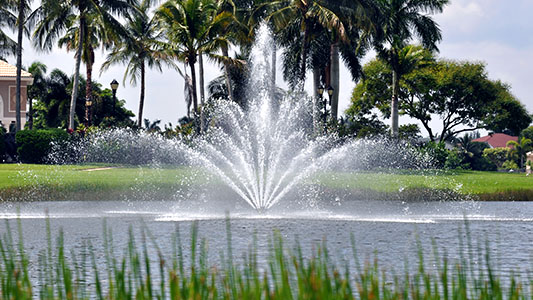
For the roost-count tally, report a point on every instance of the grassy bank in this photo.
(482, 185)
(19, 181)
(287, 274)
(55, 182)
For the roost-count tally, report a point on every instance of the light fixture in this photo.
(320, 90)
(330, 90)
(114, 85)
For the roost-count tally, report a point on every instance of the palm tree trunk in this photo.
(334, 79)
(305, 45)
(194, 96)
(141, 100)
(394, 104)
(226, 73)
(89, 84)
(201, 67)
(274, 62)
(316, 101)
(20, 22)
(75, 85)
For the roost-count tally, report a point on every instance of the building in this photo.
(496, 140)
(8, 90)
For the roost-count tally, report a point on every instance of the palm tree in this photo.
(191, 27)
(521, 147)
(35, 91)
(300, 20)
(7, 19)
(76, 20)
(138, 49)
(23, 10)
(398, 22)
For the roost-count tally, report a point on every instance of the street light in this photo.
(114, 87)
(88, 104)
(330, 93)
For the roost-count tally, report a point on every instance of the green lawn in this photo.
(18, 180)
(464, 182)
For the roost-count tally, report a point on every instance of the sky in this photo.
(498, 33)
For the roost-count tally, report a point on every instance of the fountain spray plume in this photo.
(263, 150)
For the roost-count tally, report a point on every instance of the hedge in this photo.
(2, 144)
(33, 146)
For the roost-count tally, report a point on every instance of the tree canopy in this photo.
(460, 94)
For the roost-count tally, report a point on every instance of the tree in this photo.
(9, 20)
(76, 21)
(23, 10)
(459, 93)
(509, 115)
(38, 89)
(527, 133)
(298, 23)
(52, 105)
(398, 22)
(138, 49)
(190, 26)
(521, 148)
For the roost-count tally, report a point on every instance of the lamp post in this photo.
(320, 91)
(330, 93)
(114, 87)
(88, 104)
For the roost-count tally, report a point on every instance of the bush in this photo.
(437, 151)
(2, 144)
(509, 165)
(33, 146)
(483, 164)
(497, 156)
(455, 160)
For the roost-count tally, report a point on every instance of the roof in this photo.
(497, 140)
(7, 70)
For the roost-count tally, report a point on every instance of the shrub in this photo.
(437, 152)
(33, 146)
(510, 165)
(2, 144)
(455, 160)
(483, 164)
(497, 156)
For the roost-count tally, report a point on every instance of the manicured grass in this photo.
(59, 181)
(79, 176)
(464, 182)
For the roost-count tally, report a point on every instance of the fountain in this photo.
(262, 151)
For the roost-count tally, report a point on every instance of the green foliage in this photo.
(51, 110)
(33, 146)
(455, 160)
(362, 127)
(527, 133)
(497, 156)
(410, 132)
(520, 149)
(437, 151)
(459, 93)
(510, 165)
(2, 143)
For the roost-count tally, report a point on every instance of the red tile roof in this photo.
(497, 140)
(7, 70)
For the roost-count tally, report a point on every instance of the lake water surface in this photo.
(386, 230)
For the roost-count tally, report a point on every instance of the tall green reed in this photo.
(142, 271)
